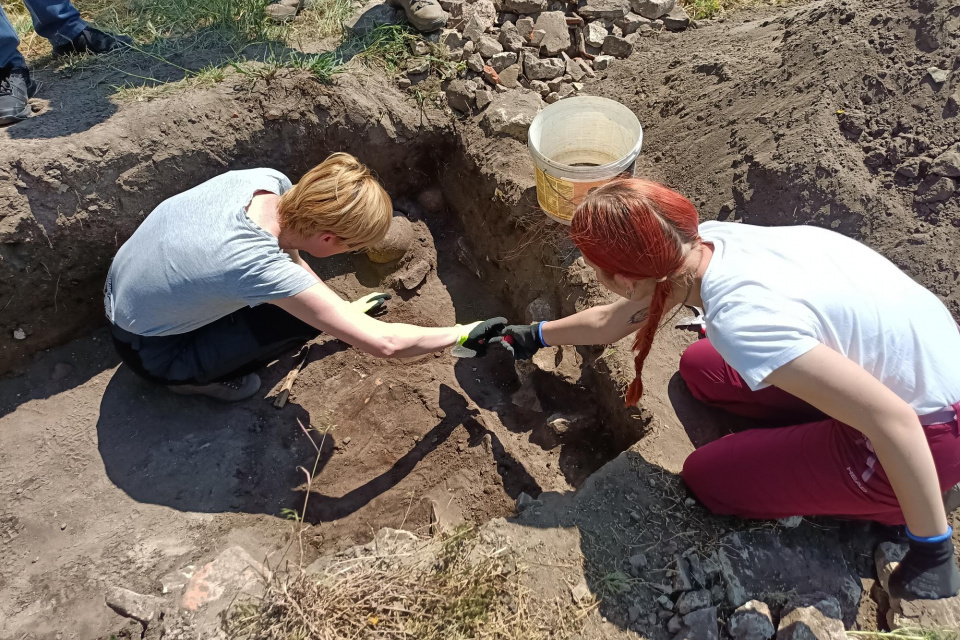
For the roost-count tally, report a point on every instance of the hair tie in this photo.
(663, 279)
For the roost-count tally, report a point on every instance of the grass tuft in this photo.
(906, 633)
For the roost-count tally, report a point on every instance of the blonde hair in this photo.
(338, 196)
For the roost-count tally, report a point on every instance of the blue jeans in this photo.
(56, 20)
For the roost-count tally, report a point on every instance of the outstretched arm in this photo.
(605, 324)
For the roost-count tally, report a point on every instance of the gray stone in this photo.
(674, 624)
(510, 38)
(634, 612)
(594, 33)
(484, 98)
(374, 14)
(755, 563)
(525, 501)
(410, 277)
(554, 85)
(752, 621)
(565, 91)
(280, 13)
(536, 37)
(631, 22)
(404, 83)
(232, 574)
(601, 62)
(617, 47)
(129, 604)
(511, 114)
(556, 36)
(699, 625)
(487, 47)
(935, 189)
(469, 48)
(417, 67)
(603, 9)
(653, 9)
(790, 523)
(535, 68)
(580, 591)
(540, 308)
(525, 28)
(475, 63)
(682, 581)
(482, 13)
(524, 6)
(812, 617)
(939, 76)
(540, 87)
(474, 30)
(947, 164)
(419, 48)
(552, 97)
(451, 39)
(911, 168)
(638, 561)
(693, 601)
(676, 20)
(573, 68)
(510, 76)
(501, 61)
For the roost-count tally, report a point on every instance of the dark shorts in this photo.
(232, 346)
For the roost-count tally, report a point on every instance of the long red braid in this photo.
(637, 229)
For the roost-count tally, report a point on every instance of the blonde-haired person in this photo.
(212, 286)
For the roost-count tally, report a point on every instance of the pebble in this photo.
(346, 440)
(63, 525)
(18, 334)
(939, 76)
(599, 64)
(689, 502)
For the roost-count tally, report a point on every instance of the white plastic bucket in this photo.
(578, 144)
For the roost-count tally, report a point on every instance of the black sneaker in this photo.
(93, 41)
(227, 391)
(16, 88)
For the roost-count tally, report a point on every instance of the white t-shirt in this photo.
(771, 294)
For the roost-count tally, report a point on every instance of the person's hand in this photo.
(372, 303)
(521, 340)
(927, 572)
(474, 338)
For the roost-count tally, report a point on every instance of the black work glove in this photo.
(927, 572)
(521, 340)
(373, 304)
(477, 336)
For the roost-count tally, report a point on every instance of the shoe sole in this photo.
(23, 115)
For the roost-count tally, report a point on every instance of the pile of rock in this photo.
(546, 46)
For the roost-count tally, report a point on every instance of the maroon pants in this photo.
(816, 467)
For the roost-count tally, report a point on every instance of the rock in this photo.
(913, 614)
(510, 76)
(374, 14)
(556, 36)
(541, 68)
(419, 48)
(601, 62)
(469, 48)
(682, 580)
(404, 83)
(525, 6)
(952, 107)
(232, 574)
(697, 575)
(693, 601)
(630, 23)
(812, 617)
(511, 114)
(752, 621)
(633, 613)
(525, 27)
(395, 244)
(480, 15)
(935, 189)
(536, 37)
(752, 564)
(484, 98)
(638, 561)
(488, 47)
(564, 427)
(417, 67)
(911, 168)
(594, 33)
(432, 200)
(473, 30)
(129, 604)
(280, 13)
(653, 9)
(951, 499)
(580, 591)
(699, 625)
(525, 501)
(676, 20)
(552, 97)
(674, 624)
(790, 523)
(572, 68)
(565, 91)
(540, 87)
(947, 164)
(711, 566)
(577, 86)
(174, 581)
(410, 277)
(19, 334)
(939, 76)
(475, 63)
(617, 47)
(459, 96)
(60, 371)
(451, 39)
(603, 9)
(540, 308)
(510, 38)
(501, 61)
(555, 84)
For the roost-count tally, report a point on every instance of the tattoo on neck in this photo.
(639, 316)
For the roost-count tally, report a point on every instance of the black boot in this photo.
(93, 41)
(16, 88)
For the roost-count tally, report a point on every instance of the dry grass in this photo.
(906, 634)
(464, 594)
(703, 9)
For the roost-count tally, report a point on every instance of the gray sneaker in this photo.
(424, 15)
(233, 390)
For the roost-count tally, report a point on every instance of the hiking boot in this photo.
(233, 390)
(16, 88)
(92, 40)
(424, 15)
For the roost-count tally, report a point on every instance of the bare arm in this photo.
(605, 324)
(846, 392)
(320, 307)
(297, 258)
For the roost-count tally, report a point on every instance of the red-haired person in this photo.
(806, 327)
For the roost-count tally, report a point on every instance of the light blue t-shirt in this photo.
(198, 257)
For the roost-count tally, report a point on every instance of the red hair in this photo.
(637, 229)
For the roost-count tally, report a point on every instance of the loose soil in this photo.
(801, 114)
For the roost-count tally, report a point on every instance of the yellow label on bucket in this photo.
(559, 197)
